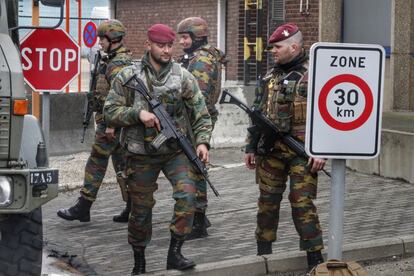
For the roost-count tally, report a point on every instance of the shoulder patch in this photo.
(293, 76)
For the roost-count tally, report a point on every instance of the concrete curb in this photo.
(408, 244)
(296, 261)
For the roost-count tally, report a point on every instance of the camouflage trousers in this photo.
(271, 174)
(143, 171)
(97, 163)
(201, 194)
(213, 117)
(201, 184)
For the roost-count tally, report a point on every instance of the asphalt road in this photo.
(375, 208)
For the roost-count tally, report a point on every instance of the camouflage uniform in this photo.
(111, 32)
(178, 91)
(103, 147)
(204, 61)
(283, 99)
(205, 65)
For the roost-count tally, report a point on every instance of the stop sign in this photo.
(50, 59)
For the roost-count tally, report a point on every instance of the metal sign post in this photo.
(46, 116)
(336, 210)
(344, 115)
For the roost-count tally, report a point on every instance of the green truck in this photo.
(26, 181)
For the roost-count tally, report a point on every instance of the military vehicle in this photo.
(26, 181)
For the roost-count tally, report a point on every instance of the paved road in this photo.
(375, 208)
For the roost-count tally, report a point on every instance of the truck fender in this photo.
(31, 137)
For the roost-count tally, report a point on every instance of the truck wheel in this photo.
(21, 243)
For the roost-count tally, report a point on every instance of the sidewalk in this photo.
(379, 216)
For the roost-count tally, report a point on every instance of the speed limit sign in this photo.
(345, 91)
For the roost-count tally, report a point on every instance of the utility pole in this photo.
(35, 94)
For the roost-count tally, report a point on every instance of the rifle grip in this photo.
(253, 129)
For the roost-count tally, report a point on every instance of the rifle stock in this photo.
(266, 126)
(169, 131)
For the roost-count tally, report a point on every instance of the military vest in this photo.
(137, 139)
(284, 100)
(113, 62)
(217, 59)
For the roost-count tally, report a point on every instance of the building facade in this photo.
(240, 28)
(233, 26)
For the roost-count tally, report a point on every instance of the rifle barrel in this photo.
(261, 122)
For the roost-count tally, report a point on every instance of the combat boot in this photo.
(80, 211)
(314, 258)
(124, 215)
(175, 259)
(200, 225)
(264, 248)
(139, 258)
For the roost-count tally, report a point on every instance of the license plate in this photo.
(44, 177)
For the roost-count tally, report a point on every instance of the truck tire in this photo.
(21, 244)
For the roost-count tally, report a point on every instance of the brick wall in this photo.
(139, 15)
(234, 40)
(308, 21)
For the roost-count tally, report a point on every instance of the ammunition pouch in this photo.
(299, 113)
(140, 140)
(284, 117)
(287, 92)
(299, 117)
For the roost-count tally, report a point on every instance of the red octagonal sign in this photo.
(50, 59)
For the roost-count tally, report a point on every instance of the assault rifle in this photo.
(168, 129)
(90, 104)
(266, 126)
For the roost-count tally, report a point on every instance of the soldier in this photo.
(178, 91)
(204, 61)
(106, 144)
(282, 98)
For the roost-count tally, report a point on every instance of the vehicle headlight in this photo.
(5, 191)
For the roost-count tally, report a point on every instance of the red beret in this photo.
(161, 33)
(283, 32)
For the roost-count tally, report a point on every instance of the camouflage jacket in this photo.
(282, 97)
(175, 88)
(109, 67)
(205, 64)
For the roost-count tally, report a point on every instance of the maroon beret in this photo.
(283, 32)
(161, 33)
